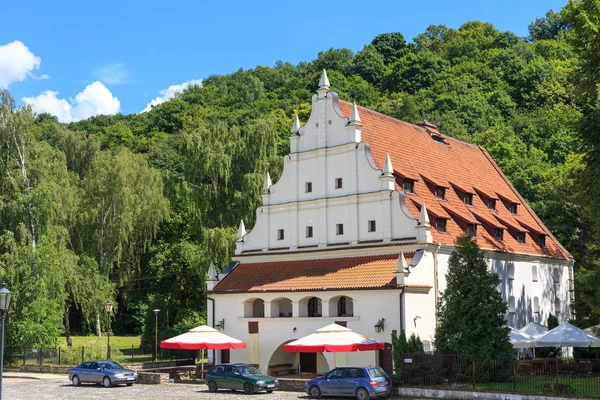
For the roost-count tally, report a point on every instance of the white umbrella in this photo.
(200, 338)
(519, 340)
(533, 329)
(567, 335)
(333, 338)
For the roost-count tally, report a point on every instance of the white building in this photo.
(358, 230)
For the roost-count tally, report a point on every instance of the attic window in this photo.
(542, 241)
(280, 234)
(439, 139)
(338, 183)
(339, 229)
(521, 237)
(372, 226)
(468, 199)
(408, 185)
(472, 230)
(499, 234)
(513, 208)
(309, 231)
(491, 203)
(440, 193)
(308, 187)
(440, 224)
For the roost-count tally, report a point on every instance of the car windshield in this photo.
(110, 365)
(249, 370)
(376, 372)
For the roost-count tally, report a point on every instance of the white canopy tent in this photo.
(533, 329)
(566, 335)
(519, 340)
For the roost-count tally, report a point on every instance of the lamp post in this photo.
(156, 311)
(108, 308)
(5, 295)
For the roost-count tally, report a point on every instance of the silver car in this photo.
(106, 373)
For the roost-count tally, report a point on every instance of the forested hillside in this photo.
(133, 208)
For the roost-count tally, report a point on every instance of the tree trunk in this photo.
(98, 326)
(68, 328)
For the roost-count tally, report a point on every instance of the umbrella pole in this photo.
(202, 367)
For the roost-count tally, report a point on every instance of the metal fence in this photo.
(542, 376)
(69, 356)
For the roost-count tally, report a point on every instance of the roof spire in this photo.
(387, 166)
(241, 232)
(354, 117)
(296, 125)
(401, 265)
(267, 185)
(212, 272)
(324, 82)
(424, 216)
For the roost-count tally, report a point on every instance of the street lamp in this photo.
(108, 308)
(5, 295)
(156, 311)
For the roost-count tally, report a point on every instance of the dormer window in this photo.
(491, 203)
(440, 224)
(339, 229)
(280, 234)
(521, 237)
(338, 183)
(440, 193)
(408, 185)
(499, 234)
(513, 208)
(307, 187)
(542, 241)
(372, 226)
(468, 199)
(309, 231)
(472, 230)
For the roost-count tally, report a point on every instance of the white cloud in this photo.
(112, 74)
(94, 100)
(170, 92)
(16, 63)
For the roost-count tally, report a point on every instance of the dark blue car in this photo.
(360, 382)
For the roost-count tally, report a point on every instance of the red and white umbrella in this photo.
(333, 338)
(201, 338)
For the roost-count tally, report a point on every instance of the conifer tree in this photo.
(471, 313)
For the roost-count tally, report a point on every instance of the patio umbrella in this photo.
(333, 338)
(519, 340)
(201, 338)
(567, 335)
(533, 329)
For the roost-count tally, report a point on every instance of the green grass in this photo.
(124, 342)
(576, 386)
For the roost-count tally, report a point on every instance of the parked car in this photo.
(361, 382)
(106, 373)
(239, 377)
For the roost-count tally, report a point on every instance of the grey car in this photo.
(106, 373)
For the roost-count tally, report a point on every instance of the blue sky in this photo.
(105, 56)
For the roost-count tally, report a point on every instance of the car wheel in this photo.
(212, 386)
(315, 392)
(362, 394)
(269, 391)
(130, 384)
(106, 382)
(248, 388)
(76, 380)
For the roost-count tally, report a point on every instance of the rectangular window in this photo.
(280, 234)
(440, 224)
(372, 226)
(468, 199)
(513, 208)
(339, 229)
(542, 241)
(499, 234)
(440, 193)
(338, 183)
(521, 237)
(309, 231)
(409, 186)
(307, 187)
(491, 203)
(472, 230)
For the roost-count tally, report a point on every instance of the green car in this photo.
(239, 377)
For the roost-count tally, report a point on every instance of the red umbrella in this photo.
(333, 338)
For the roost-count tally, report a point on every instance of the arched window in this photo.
(534, 274)
(536, 305)
(314, 307)
(511, 304)
(557, 306)
(510, 273)
(556, 275)
(341, 306)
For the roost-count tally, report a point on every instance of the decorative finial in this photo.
(424, 216)
(267, 184)
(387, 166)
(212, 272)
(296, 125)
(354, 117)
(241, 231)
(324, 82)
(401, 265)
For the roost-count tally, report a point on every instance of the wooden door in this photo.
(225, 356)
(308, 362)
(386, 360)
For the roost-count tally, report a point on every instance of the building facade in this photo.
(358, 230)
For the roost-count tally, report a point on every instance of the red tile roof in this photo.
(456, 165)
(368, 272)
